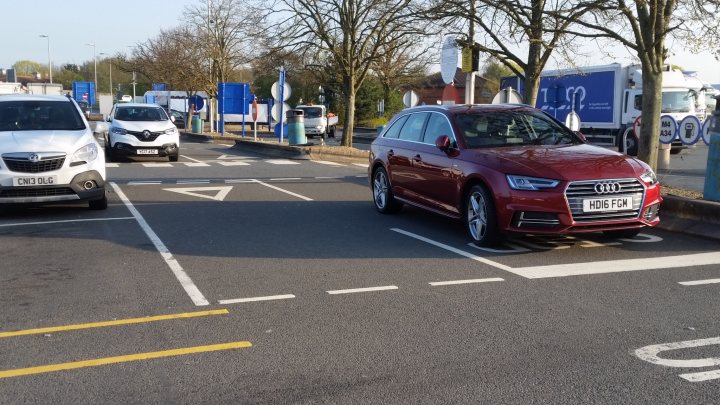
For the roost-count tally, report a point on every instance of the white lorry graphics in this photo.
(608, 99)
(318, 121)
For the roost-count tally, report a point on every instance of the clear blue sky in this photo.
(111, 25)
(114, 25)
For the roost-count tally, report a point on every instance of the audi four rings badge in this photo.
(607, 188)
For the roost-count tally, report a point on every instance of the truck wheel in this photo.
(631, 144)
(332, 132)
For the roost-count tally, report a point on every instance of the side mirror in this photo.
(172, 118)
(443, 143)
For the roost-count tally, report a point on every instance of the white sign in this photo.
(277, 115)
(689, 130)
(448, 60)
(668, 129)
(410, 99)
(275, 91)
(709, 122)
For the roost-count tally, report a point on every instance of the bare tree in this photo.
(644, 26)
(508, 26)
(401, 64)
(353, 34)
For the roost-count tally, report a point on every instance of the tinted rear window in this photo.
(32, 115)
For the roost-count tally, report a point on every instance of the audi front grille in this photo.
(578, 191)
(23, 165)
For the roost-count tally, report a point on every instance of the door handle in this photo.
(390, 153)
(417, 158)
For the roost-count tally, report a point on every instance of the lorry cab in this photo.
(317, 121)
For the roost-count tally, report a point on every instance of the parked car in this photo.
(506, 169)
(49, 153)
(180, 118)
(141, 130)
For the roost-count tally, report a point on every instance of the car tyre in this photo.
(622, 233)
(481, 217)
(175, 157)
(109, 153)
(99, 204)
(383, 198)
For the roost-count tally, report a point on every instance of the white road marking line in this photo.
(185, 281)
(651, 353)
(302, 197)
(359, 290)
(328, 163)
(702, 376)
(112, 165)
(64, 221)
(234, 181)
(362, 177)
(513, 248)
(256, 299)
(189, 158)
(193, 182)
(281, 162)
(454, 250)
(365, 165)
(142, 183)
(157, 164)
(328, 177)
(477, 280)
(220, 192)
(618, 266)
(234, 163)
(285, 178)
(700, 282)
(198, 164)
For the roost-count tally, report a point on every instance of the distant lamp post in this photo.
(110, 64)
(95, 62)
(49, 60)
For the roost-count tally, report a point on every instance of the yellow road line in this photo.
(113, 323)
(122, 359)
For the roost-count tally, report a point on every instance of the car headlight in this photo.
(87, 153)
(530, 183)
(649, 177)
(170, 131)
(319, 127)
(118, 130)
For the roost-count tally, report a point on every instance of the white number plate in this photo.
(607, 204)
(147, 152)
(34, 181)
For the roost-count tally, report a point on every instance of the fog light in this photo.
(651, 212)
(89, 185)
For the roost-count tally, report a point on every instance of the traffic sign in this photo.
(410, 99)
(689, 130)
(198, 102)
(275, 91)
(254, 111)
(668, 129)
(707, 126)
(277, 114)
(448, 59)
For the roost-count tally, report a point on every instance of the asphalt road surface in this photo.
(229, 277)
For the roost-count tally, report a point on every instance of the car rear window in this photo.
(33, 115)
(140, 114)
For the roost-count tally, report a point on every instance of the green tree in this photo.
(27, 67)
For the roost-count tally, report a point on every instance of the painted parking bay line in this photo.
(588, 268)
(102, 324)
(302, 197)
(700, 282)
(361, 290)
(123, 359)
(473, 281)
(257, 299)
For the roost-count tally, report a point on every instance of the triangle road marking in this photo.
(221, 192)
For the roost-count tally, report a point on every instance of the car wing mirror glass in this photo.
(172, 118)
(443, 143)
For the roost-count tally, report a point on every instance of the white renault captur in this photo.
(48, 152)
(141, 130)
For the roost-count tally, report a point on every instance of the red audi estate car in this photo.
(507, 168)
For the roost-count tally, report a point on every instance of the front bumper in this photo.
(168, 149)
(85, 186)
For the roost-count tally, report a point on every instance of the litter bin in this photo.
(197, 125)
(296, 127)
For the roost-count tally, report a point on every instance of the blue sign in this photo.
(234, 98)
(159, 87)
(84, 91)
(197, 101)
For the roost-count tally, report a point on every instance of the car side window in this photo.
(412, 130)
(437, 125)
(394, 130)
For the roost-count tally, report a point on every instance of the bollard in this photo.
(663, 159)
(296, 127)
(711, 191)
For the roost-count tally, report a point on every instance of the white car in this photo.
(143, 130)
(48, 152)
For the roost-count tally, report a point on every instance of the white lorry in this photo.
(318, 121)
(608, 99)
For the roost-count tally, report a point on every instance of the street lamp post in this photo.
(95, 62)
(49, 60)
(110, 63)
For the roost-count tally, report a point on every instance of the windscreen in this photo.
(311, 112)
(512, 128)
(676, 101)
(32, 115)
(140, 114)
